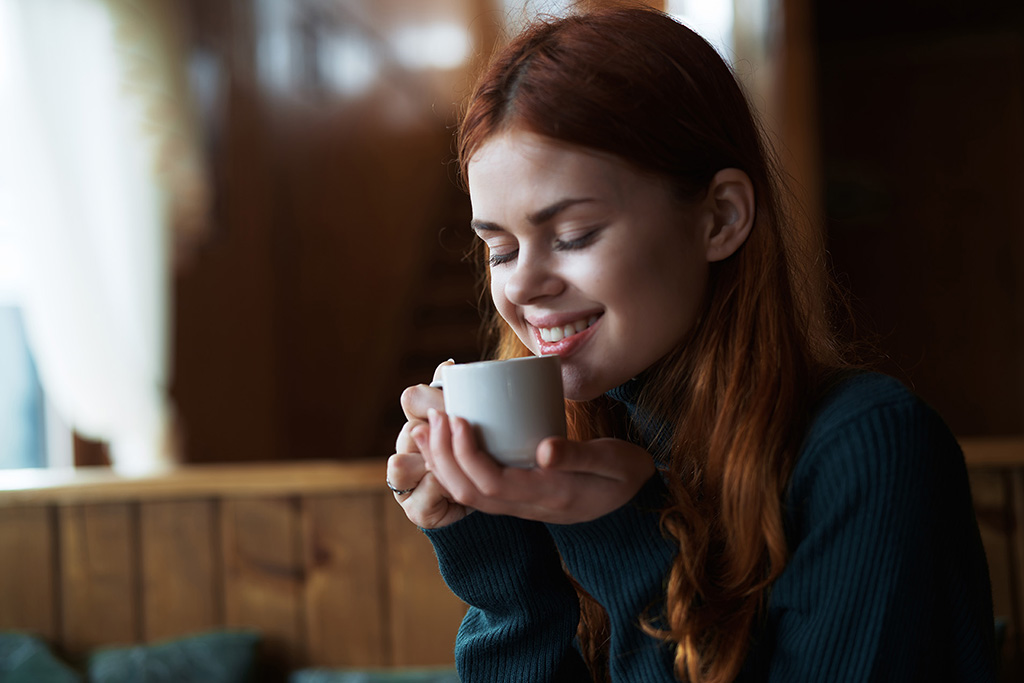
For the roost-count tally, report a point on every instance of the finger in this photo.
(405, 470)
(420, 434)
(442, 461)
(430, 506)
(418, 400)
(482, 469)
(405, 443)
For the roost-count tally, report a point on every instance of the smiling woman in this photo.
(737, 498)
(587, 254)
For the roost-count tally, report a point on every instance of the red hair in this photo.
(736, 391)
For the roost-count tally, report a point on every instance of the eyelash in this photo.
(560, 245)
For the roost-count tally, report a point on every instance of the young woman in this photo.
(735, 501)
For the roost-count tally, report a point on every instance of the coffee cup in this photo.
(512, 405)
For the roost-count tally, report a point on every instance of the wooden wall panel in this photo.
(180, 568)
(992, 507)
(263, 574)
(345, 580)
(99, 575)
(425, 616)
(28, 570)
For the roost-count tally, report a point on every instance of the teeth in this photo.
(557, 334)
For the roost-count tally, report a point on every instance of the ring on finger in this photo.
(398, 492)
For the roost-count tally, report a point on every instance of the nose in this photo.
(532, 279)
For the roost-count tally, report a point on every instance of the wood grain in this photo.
(991, 493)
(345, 580)
(180, 568)
(28, 569)
(424, 614)
(99, 576)
(263, 574)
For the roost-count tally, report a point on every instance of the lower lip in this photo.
(567, 346)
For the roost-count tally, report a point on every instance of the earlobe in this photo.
(731, 204)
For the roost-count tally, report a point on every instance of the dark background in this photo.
(332, 275)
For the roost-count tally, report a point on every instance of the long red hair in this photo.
(736, 391)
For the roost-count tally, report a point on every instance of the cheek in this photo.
(498, 297)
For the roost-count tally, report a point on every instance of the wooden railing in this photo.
(996, 468)
(316, 556)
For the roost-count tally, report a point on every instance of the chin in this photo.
(579, 389)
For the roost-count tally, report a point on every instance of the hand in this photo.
(427, 504)
(573, 481)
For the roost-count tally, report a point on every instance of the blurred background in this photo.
(232, 231)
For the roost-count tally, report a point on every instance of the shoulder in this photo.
(857, 399)
(870, 429)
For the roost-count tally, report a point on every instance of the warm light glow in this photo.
(347, 63)
(712, 19)
(437, 45)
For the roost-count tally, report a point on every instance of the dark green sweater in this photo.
(887, 578)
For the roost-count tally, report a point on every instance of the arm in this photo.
(622, 560)
(523, 611)
(887, 580)
(587, 492)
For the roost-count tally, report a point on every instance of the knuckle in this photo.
(397, 464)
(463, 495)
(489, 488)
(408, 399)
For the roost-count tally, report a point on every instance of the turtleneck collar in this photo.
(644, 430)
(627, 393)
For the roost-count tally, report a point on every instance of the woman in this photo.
(735, 501)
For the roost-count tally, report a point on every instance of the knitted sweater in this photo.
(886, 580)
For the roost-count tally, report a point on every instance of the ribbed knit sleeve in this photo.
(523, 611)
(887, 580)
(622, 560)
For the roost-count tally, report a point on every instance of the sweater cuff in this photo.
(628, 541)
(494, 561)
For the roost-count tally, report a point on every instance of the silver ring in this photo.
(398, 492)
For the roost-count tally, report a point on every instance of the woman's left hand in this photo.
(573, 482)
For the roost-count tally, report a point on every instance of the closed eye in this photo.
(499, 259)
(577, 243)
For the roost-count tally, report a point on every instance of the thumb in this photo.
(609, 458)
(557, 453)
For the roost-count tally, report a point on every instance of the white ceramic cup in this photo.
(512, 405)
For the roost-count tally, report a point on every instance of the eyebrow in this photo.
(536, 218)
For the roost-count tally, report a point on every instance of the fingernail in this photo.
(433, 417)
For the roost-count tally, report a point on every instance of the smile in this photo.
(557, 334)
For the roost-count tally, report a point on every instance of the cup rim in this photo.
(505, 360)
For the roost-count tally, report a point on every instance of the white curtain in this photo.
(83, 182)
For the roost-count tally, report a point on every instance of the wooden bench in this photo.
(315, 555)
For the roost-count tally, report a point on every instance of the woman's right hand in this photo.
(427, 504)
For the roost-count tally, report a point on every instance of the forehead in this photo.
(519, 166)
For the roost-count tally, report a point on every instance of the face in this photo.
(589, 258)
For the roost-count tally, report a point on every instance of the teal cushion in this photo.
(215, 657)
(446, 675)
(24, 658)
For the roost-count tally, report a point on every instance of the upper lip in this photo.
(559, 319)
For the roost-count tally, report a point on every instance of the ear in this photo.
(730, 206)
